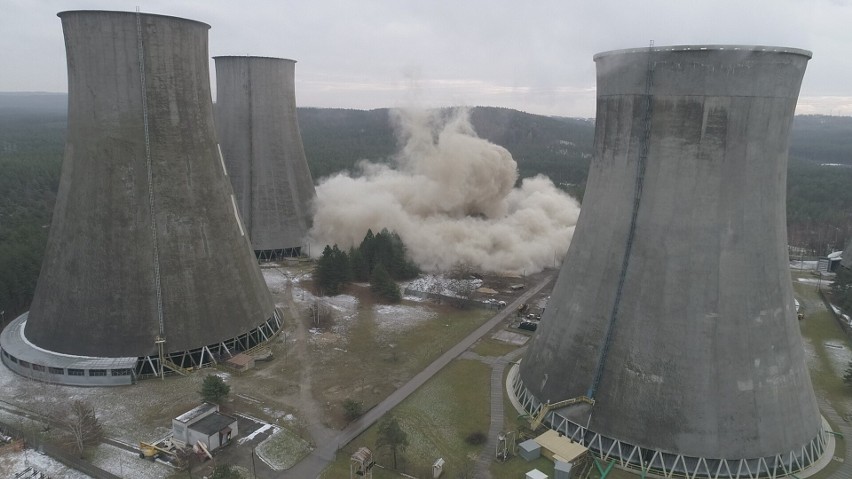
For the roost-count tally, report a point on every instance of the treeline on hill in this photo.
(822, 139)
(32, 135)
(31, 145)
(379, 259)
(561, 148)
(819, 206)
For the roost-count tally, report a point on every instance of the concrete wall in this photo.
(705, 356)
(262, 146)
(97, 294)
(85, 378)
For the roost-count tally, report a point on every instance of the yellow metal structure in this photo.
(547, 407)
(147, 450)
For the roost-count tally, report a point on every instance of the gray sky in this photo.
(534, 56)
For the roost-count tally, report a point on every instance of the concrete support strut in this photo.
(144, 241)
(262, 147)
(705, 361)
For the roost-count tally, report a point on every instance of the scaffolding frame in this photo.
(668, 465)
(180, 361)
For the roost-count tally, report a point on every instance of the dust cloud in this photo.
(451, 197)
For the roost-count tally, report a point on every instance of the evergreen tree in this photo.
(214, 389)
(324, 272)
(400, 266)
(392, 436)
(358, 265)
(332, 271)
(382, 251)
(841, 289)
(341, 271)
(382, 284)
(847, 375)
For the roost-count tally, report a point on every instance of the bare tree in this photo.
(83, 426)
(321, 314)
(462, 270)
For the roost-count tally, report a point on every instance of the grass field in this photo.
(437, 418)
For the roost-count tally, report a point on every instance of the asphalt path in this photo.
(325, 453)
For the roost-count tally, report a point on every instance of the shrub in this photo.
(476, 438)
(352, 409)
(214, 389)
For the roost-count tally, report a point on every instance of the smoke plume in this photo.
(451, 198)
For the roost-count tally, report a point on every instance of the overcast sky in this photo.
(533, 56)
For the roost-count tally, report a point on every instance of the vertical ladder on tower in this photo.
(647, 106)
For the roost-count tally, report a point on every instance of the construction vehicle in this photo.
(152, 451)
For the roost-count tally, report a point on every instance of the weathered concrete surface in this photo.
(259, 133)
(705, 357)
(97, 294)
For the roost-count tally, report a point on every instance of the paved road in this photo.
(486, 456)
(324, 454)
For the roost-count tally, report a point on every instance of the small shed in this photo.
(438, 468)
(555, 446)
(529, 450)
(214, 431)
(536, 474)
(562, 470)
(204, 423)
(240, 362)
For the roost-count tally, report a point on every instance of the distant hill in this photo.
(561, 148)
(336, 139)
(32, 130)
(822, 139)
(29, 103)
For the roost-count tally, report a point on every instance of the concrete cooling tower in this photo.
(259, 133)
(147, 265)
(670, 344)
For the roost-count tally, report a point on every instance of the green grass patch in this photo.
(493, 348)
(517, 467)
(824, 335)
(437, 418)
(379, 360)
(283, 449)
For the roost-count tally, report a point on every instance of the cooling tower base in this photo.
(24, 358)
(810, 458)
(267, 255)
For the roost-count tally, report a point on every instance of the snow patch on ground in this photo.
(274, 413)
(117, 414)
(260, 430)
(803, 265)
(439, 284)
(12, 463)
(823, 281)
(342, 302)
(839, 355)
(276, 280)
(397, 318)
(282, 450)
(127, 465)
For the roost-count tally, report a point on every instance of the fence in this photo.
(70, 460)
